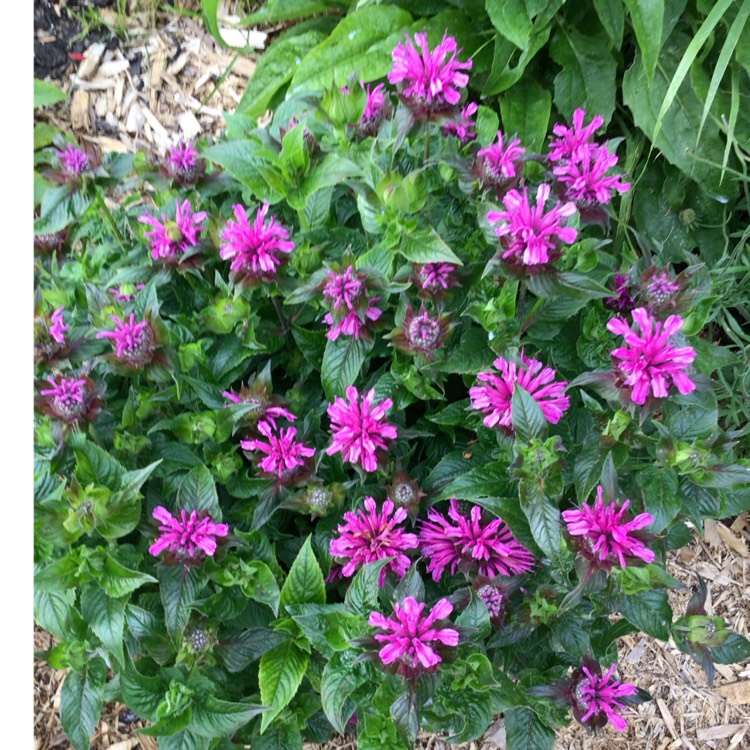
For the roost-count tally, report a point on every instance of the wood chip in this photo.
(189, 125)
(107, 144)
(736, 693)
(668, 718)
(91, 59)
(158, 67)
(136, 118)
(731, 540)
(720, 732)
(79, 110)
(244, 67)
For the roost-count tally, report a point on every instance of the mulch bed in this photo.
(164, 84)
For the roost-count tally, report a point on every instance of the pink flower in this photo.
(605, 537)
(570, 141)
(494, 398)
(284, 453)
(133, 342)
(622, 301)
(352, 307)
(420, 333)
(596, 697)
(189, 537)
(123, 296)
(661, 288)
(359, 428)
(467, 542)
(586, 180)
(258, 251)
(261, 406)
(463, 129)
(375, 103)
(435, 278)
(650, 361)
(182, 158)
(430, 83)
(501, 160)
(70, 400)
(408, 634)
(58, 329)
(73, 161)
(528, 232)
(171, 239)
(367, 536)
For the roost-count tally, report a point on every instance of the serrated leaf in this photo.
(525, 731)
(342, 361)
(255, 167)
(81, 702)
(178, 586)
(426, 246)
(544, 519)
(527, 416)
(490, 480)
(735, 649)
(305, 583)
(118, 581)
(650, 612)
(214, 718)
(406, 717)
(526, 111)
(197, 491)
(362, 594)
(647, 17)
(279, 676)
(52, 611)
(46, 93)
(660, 496)
(336, 685)
(239, 650)
(142, 693)
(95, 466)
(106, 617)
(263, 586)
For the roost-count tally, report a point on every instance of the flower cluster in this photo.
(284, 454)
(367, 536)
(73, 161)
(435, 278)
(352, 307)
(500, 164)
(359, 428)
(188, 537)
(71, 400)
(596, 698)
(468, 543)
(494, 398)
(170, 240)
(650, 361)
(133, 341)
(463, 127)
(420, 333)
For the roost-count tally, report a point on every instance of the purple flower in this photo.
(121, 295)
(500, 162)
(496, 601)
(70, 400)
(409, 636)
(430, 81)
(420, 333)
(436, 278)
(596, 697)
(491, 547)
(258, 399)
(463, 129)
(188, 538)
(284, 453)
(352, 306)
(494, 398)
(661, 288)
(528, 232)
(622, 301)
(605, 537)
(367, 536)
(571, 140)
(375, 103)
(58, 328)
(257, 251)
(171, 239)
(359, 428)
(649, 361)
(586, 180)
(133, 341)
(182, 158)
(73, 161)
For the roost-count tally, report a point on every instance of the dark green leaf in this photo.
(337, 684)
(214, 718)
(279, 676)
(304, 584)
(525, 731)
(612, 15)
(342, 361)
(362, 594)
(649, 611)
(142, 693)
(426, 246)
(118, 581)
(648, 19)
(197, 491)
(95, 466)
(735, 649)
(106, 617)
(660, 495)
(81, 702)
(526, 111)
(237, 651)
(527, 416)
(178, 586)
(406, 717)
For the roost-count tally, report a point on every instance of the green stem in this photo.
(109, 218)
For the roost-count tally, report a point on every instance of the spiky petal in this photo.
(171, 239)
(188, 537)
(571, 140)
(283, 452)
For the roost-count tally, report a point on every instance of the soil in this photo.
(57, 33)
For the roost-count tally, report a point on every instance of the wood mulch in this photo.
(168, 83)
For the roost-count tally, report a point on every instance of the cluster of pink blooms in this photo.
(622, 301)
(352, 307)
(606, 537)
(262, 409)
(529, 234)
(500, 162)
(133, 341)
(468, 542)
(367, 536)
(68, 398)
(375, 103)
(436, 278)
(182, 158)
(650, 361)
(171, 239)
(582, 166)
(597, 696)
(283, 452)
(58, 329)
(188, 537)
(126, 296)
(494, 398)
(463, 128)
(408, 635)
(73, 161)
(661, 288)
(359, 428)
(430, 80)
(256, 250)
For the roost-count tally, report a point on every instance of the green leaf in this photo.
(106, 617)
(142, 693)
(426, 246)
(336, 685)
(660, 495)
(214, 717)
(118, 581)
(487, 125)
(405, 716)
(52, 611)
(81, 702)
(650, 612)
(544, 519)
(490, 480)
(342, 361)
(362, 594)
(527, 416)
(507, 66)
(279, 676)
(525, 731)
(328, 627)
(471, 355)
(285, 10)
(262, 585)
(197, 491)
(511, 19)
(356, 45)
(47, 93)
(612, 15)
(238, 651)
(305, 583)
(735, 649)
(647, 17)
(476, 616)
(588, 75)
(44, 134)
(178, 586)
(95, 466)
(526, 110)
